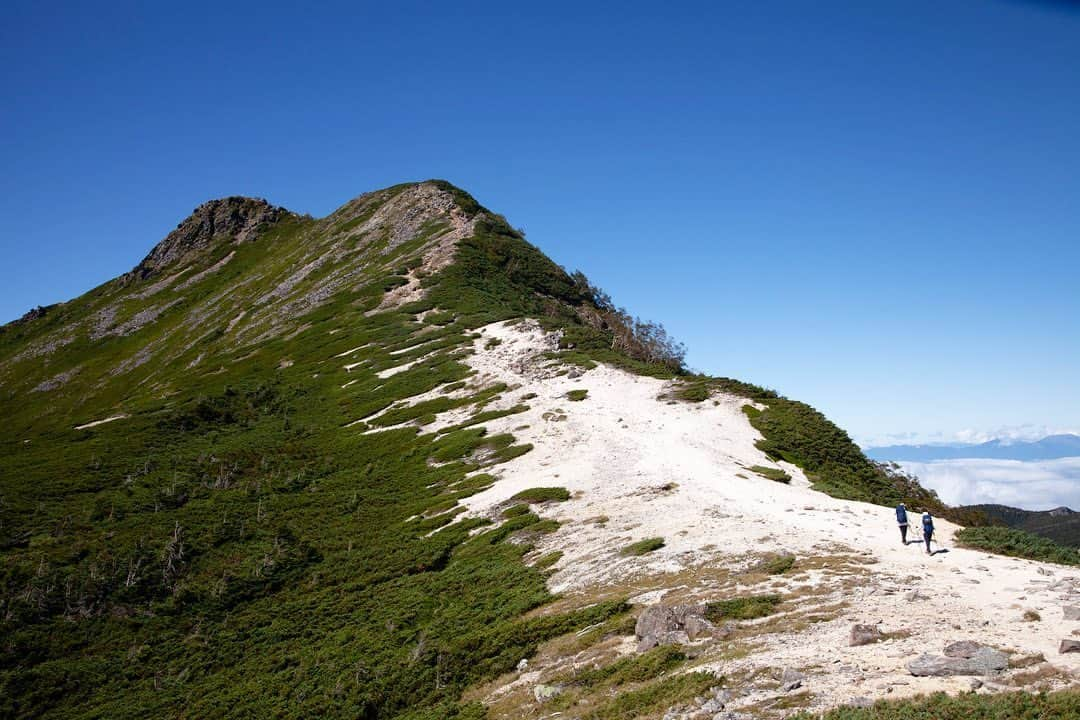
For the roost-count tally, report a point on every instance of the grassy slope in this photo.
(232, 550)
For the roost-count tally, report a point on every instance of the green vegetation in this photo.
(577, 395)
(1062, 528)
(515, 510)
(1063, 705)
(633, 669)
(538, 495)
(632, 687)
(747, 607)
(1017, 543)
(777, 565)
(545, 561)
(693, 392)
(644, 547)
(772, 473)
(654, 697)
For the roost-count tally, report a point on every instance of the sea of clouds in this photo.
(1029, 485)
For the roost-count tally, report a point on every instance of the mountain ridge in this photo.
(1051, 447)
(284, 476)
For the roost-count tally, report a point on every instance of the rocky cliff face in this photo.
(233, 220)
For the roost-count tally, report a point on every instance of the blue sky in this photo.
(873, 207)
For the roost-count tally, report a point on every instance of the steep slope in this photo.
(338, 467)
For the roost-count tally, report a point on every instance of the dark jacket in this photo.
(901, 515)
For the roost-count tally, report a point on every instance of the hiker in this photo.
(901, 520)
(927, 529)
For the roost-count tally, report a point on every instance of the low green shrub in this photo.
(643, 547)
(1017, 543)
(694, 392)
(633, 669)
(514, 511)
(545, 561)
(772, 473)
(577, 395)
(538, 495)
(777, 565)
(747, 607)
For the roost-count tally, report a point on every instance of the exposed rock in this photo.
(963, 649)
(861, 702)
(236, 219)
(671, 624)
(983, 661)
(1071, 612)
(1069, 646)
(523, 664)
(865, 635)
(791, 679)
(543, 693)
(913, 595)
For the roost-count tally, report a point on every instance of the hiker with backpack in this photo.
(927, 529)
(901, 520)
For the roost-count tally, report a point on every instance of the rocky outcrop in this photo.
(960, 658)
(234, 219)
(673, 624)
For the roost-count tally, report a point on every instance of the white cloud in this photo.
(1028, 485)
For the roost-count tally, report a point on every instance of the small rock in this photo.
(913, 595)
(543, 693)
(522, 664)
(1043, 571)
(712, 706)
(976, 683)
(861, 702)
(864, 635)
(1071, 612)
(1069, 646)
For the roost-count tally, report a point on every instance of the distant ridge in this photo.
(1051, 447)
(1061, 524)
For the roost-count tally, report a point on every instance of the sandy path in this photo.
(618, 449)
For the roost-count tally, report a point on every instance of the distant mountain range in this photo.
(1061, 524)
(1051, 447)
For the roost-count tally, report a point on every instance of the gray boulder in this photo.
(1071, 612)
(1069, 646)
(865, 635)
(983, 661)
(672, 624)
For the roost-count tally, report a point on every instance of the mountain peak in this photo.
(234, 219)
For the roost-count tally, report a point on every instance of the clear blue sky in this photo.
(871, 206)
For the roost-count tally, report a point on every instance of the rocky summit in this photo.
(397, 463)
